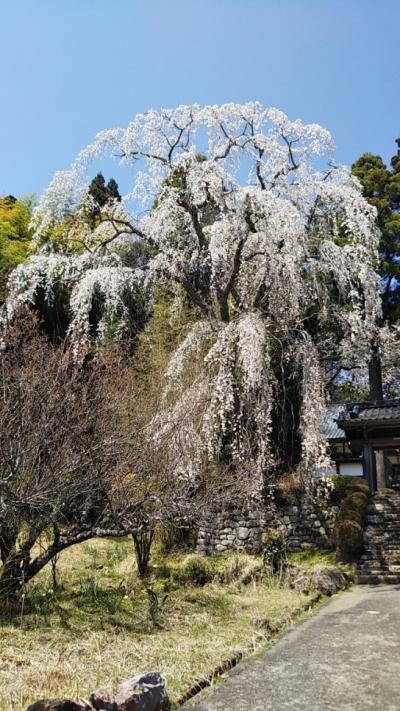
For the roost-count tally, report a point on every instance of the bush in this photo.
(348, 532)
(196, 570)
(163, 571)
(349, 537)
(360, 485)
(176, 537)
(341, 485)
(274, 550)
(354, 506)
(288, 490)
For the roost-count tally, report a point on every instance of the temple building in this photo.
(364, 439)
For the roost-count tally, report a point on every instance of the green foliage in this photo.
(354, 506)
(102, 193)
(116, 554)
(348, 531)
(381, 187)
(167, 327)
(349, 537)
(196, 570)
(288, 490)
(176, 537)
(340, 483)
(347, 391)
(344, 485)
(312, 556)
(274, 550)
(15, 236)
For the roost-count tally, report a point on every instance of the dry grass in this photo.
(95, 630)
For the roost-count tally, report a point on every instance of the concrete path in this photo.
(345, 657)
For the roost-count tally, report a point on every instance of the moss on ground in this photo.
(313, 556)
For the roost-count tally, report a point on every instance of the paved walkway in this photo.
(345, 657)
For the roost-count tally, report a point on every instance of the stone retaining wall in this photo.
(239, 530)
(304, 526)
(308, 525)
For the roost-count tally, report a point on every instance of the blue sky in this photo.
(73, 67)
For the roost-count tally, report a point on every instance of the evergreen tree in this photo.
(103, 193)
(381, 187)
(112, 189)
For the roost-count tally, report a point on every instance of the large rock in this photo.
(103, 699)
(145, 692)
(327, 580)
(242, 533)
(58, 705)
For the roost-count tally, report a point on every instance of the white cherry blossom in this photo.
(248, 215)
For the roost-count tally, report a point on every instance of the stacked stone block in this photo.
(303, 526)
(237, 530)
(308, 525)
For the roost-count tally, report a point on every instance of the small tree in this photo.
(59, 457)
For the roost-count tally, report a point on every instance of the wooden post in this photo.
(369, 467)
(375, 373)
(380, 470)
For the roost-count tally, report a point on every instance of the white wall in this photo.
(351, 468)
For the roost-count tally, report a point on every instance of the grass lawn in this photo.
(96, 629)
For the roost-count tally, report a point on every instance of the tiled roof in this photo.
(353, 413)
(370, 412)
(329, 425)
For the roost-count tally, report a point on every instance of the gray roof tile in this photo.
(329, 425)
(370, 412)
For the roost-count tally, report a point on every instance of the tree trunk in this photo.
(8, 539)
(11, 577)
(143, 540)
(375, 373)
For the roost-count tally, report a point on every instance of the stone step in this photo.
(384, 501)
(387, 547)
(378, 547)
(382, 509)
(381, 555)
(380, 579)
(375, 569)
(378, 529)
(388, 520)
(380, 562)
(378, 542)
(389, 540)
(380, 518)
(383, 534)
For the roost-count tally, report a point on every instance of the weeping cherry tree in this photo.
(246, 216)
